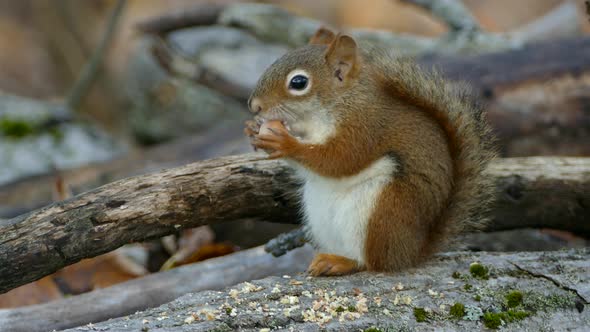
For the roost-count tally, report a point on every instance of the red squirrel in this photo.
(391, 157)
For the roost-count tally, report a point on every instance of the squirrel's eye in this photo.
(298, 82)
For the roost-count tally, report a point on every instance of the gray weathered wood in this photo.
(554, 288)
(152, 291)
(248, 187)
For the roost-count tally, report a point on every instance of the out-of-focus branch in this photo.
(452, 12)
(274, 24)
(90, 70)
(203, 14)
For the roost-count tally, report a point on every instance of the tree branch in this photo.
(248, 187)
(203, 14)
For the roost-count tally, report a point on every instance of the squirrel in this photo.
(392, 158)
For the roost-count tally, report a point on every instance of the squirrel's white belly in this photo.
(337, 211)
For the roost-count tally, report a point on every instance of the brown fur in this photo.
(388, 107)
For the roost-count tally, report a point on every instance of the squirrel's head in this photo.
(302, 85)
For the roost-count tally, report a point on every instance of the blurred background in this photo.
(164, 94)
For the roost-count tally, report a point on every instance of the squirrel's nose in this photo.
(255, 105)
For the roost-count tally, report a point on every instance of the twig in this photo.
(286, 242)
(176, 64)
(63, 10)
(90, 70)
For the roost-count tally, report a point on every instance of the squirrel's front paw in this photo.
(332, 265)
(278, 141)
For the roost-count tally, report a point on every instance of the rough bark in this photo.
(152, 291)
(541, 192)
(553, 285)
(247, 187)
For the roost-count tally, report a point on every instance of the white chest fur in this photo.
(337, 210)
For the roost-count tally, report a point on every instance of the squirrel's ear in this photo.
(323, 36)
(342, 56)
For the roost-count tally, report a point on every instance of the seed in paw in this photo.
(265, 128)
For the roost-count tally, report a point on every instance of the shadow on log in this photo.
(248, 187)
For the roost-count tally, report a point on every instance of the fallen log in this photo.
(157, 289)
(152, 291)
(248, 187)
(516, 291)
(535, 96)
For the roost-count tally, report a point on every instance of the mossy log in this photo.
(537, 291)
(533, 192)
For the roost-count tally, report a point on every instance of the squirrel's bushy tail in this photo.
(470, 142)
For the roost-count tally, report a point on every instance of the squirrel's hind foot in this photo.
(332, 265)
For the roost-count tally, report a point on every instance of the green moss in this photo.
(477, 298)
(479, 271)
(340, 309)
(351, 308)
(467, 287)
(372, 329)
(456, 275)
(457, 310)
(420, 314)
(15, 128)
(495, 320)
(492, 320)
(514, 299)
(514, 315)
(228, 310)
